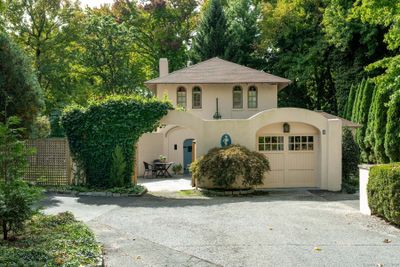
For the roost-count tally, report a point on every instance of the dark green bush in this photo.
(16, 196)
(94, 132)
(225, 166)
(350, 160)
(384, 191)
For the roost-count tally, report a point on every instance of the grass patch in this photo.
(191, 193)
(51, 240)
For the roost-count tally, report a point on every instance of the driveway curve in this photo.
(281, 228)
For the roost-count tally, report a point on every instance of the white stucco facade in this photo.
(307, 155)
(326, 155)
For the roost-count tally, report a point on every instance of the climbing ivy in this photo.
(96, 130)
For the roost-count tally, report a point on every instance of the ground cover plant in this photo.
(52, 240)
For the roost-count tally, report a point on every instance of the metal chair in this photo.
(149, 170)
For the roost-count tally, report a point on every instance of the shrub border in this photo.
(95, 193)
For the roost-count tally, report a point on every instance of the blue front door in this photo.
(187, 154)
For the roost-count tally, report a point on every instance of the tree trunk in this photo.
(5, 231)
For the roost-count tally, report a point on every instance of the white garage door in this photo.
(292, 158)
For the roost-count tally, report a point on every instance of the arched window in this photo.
(252, 97)
(181, 97)
(196, 97)
(237, 97)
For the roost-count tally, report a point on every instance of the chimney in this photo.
(163, 67)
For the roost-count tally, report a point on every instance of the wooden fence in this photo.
(51, 164)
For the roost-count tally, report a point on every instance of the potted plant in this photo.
(163, 158)
(177, 168)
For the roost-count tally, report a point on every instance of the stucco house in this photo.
(221, 101)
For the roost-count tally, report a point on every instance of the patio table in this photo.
(162, 169)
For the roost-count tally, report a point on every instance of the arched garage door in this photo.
(293, 156)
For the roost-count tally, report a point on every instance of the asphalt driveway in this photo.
(284, 228)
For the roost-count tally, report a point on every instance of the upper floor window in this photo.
(196, 97)
(252, 97)
(181, 97)
(237, 97)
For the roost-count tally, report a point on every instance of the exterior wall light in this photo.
(286, 127)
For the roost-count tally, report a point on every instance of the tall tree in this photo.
(355, 45)
(160, 29)
(392, 137)
(48, 31)
(108, 57)
(293, 45)
(20, 92)
(243, 31)
(362, 119)
(211, 36)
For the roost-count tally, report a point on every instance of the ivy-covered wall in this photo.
(94, 132)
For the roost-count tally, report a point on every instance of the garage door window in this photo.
(301, 143)
(270, 143)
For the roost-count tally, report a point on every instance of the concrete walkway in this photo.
(282, 228)
(166, 184)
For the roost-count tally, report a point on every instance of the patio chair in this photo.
(149, 170)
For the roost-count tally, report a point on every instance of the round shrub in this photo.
(95, 131)
(231, 167)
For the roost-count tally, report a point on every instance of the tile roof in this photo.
(345, 123)
(216, 70)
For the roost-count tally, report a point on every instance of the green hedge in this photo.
(384, 191)
(95, 131)
(226, 166)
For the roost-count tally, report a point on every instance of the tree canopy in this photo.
(20, 92)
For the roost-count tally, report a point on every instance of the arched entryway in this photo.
(293, 154)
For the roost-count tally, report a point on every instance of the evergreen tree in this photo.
(392, 135)
(356, 106)
(363, 110)
(350, 102)
(20, 93)
(350, 160)
(211, 36)
(369, 141)
(380, 120)
(243, 31)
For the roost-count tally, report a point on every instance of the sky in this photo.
(94, 3)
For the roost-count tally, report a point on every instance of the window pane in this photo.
(237, 97)
(181, 97)
(311, 139)
(252, 97)
(291, 139)
(261, 147)
(310, 147)
(196, 97)
(297, 139)
(291, 147)
(261, 139)
(268, 139)
(268, 147)
(303, 146)
(280, 139)
(280, 147)
(297, 147)
(274, 147)
(274, 139)
(304, 139)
